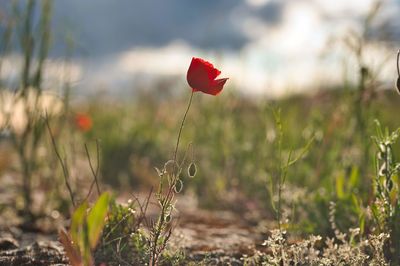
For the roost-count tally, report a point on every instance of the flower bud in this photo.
(389, 185)
(398, 84)
(168, 218)
(192, 170)
(383, 170)
(178, 186)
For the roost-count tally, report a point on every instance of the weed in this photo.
(386, 206)
(85, 231)
(278, 182)
(24, 103)
(340, 250)
(201, 76)
(123, 240)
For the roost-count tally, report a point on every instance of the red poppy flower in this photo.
(83, 122)
(202, 75)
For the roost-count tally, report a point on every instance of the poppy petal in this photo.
(201, 76)
(197, 79)
(217, 87)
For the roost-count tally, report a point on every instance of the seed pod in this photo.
(398, 72)
(398, 84)
(390, 184)
(168, 218)
(382, 170)
(178, 186)
(192, 170)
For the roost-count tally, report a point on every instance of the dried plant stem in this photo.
(61, 160)
(143, 208)
(27, 181)
(95, 173)
(167, 201)
(27, 44)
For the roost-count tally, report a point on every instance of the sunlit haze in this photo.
(266, 47)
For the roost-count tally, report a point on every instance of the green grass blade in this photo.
(96, 217)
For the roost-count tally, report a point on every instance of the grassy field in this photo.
(235, 146)
(315, 175)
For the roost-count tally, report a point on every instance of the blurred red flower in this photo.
(83, 122)
(202, 75)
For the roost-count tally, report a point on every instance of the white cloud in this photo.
(257, 3)
(278, 56)
(55, 72)
(338, 8)
(283, 59)
(168, 60)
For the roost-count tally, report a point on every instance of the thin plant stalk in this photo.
(95, 173)
(27, 44)
(166, 202)
(182, 124)
(62, 162)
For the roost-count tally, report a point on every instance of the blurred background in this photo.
(266, 47)
(112, 75)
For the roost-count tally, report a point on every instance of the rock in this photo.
(7, 243)
(37, 254)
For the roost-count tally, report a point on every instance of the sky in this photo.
(268, 47)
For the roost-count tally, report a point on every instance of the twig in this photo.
(62, 162)
(95, 173)
(143, 208)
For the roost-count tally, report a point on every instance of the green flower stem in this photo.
(180, 129)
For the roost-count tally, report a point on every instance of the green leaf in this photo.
(356, 203)
(376, 214)
(354, 176)
(96, 218)
(86, 249)
(361, 220)
(340, 186)
(78, 218)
